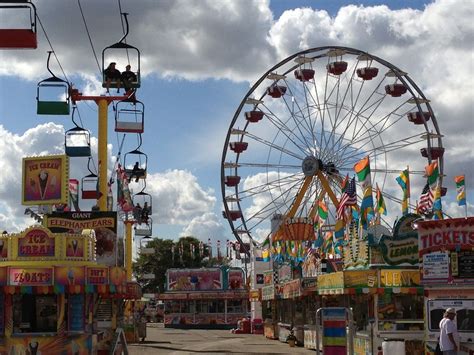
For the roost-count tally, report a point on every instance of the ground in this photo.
(199, 341)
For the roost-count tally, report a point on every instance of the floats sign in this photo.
(42, 276)
(36, 242)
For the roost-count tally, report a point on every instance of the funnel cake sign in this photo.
(45, 180)
(36, 242)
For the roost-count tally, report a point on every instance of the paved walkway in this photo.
(200, 341)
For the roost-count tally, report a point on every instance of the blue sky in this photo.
(199, 59)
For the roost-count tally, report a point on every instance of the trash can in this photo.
(393, 347)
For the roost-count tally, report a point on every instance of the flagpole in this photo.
(408, 189)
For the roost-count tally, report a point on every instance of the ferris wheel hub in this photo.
(311, 165)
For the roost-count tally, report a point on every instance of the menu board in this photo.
(76, 313)
(466, 264)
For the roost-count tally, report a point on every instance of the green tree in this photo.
(168, 255)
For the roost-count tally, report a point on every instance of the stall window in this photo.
(35, 313)
(235, 306)
(395, 311)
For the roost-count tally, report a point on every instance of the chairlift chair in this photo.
(143, 198)
(24, 37)
(144, 250)
(53, 95)
(126, 51)
(77, 142)
(129, 116)
(135, 164)
(89, 185)
(144, 229)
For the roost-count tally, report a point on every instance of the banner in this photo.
(194, 279)
(97, 275)
(104, 225)
(72, 275)
(45, 180)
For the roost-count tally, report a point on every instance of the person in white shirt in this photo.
(448, 333)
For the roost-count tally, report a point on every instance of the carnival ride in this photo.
(55, 96)
(303, 126)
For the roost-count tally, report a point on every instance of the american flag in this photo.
(348, 198)
(426, 199)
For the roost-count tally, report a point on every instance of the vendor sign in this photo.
(194, 279)
(254, 295)
(69, 275)
(449, 234)
(399, 278)
(292, 289)
(331, 281)
(42, 276)
(284, 273)
(268, 277)
(365, 278)
(399, 250)
(435, 267)
(97, 275)
(45, 180)
(104, 225)
(268, 293)
(36, 242)
(236, 279)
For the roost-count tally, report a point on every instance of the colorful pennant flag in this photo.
(381, 208)
(404, 182)
(73, 193)
(432, 173)
(362, 169)
(460, 190)
(322, 210)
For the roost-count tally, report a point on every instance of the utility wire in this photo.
(89, 36)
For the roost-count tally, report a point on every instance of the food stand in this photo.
(56, 297)
(204, 298)
(446, 250)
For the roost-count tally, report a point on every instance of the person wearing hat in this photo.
(448, 333)
(112, 74)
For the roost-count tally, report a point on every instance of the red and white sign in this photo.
(449, 234)
(41, 276)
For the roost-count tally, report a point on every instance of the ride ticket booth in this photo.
(446, 250)
(53, 293)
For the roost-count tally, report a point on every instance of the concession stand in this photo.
(381, 285)
(55, 296)
(446, 250)
(205, 298)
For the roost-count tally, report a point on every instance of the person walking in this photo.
(448, 333)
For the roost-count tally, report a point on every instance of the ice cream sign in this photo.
(45, 180)
(42, 276)
(36, 242)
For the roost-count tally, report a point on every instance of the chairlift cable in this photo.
(51, 46)
(89, 36)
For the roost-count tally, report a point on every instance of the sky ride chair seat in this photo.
(118, 83)
(82, 147)
(144, 229)
(129, 117)
(19, 38)
(89, 187)
(52, 107)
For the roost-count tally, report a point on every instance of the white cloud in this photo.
(208, 225)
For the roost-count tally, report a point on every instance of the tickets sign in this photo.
(36, 242)
(42, 276)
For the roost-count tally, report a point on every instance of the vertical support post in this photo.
(102, 153)
(128, 249)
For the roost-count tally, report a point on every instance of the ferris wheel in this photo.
(304, 125)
